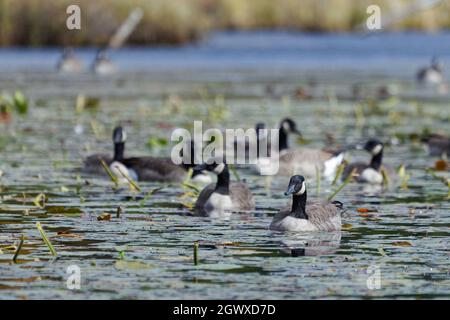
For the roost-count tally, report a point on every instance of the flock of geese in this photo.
(224, 197)
(70, 63)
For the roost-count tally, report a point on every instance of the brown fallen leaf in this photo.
(68, 235)
(365, 210)
(104, 217)
(441, 165)
(402, 244)
(228, 244)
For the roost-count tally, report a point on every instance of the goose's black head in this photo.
(119, 135)
(297, 186)
(373, 146)
(289, 126)
(215, 167)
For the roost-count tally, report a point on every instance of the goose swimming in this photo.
(303, 216)
(219, 200)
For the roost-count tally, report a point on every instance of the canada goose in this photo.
(300, 217)
(431, 75)
(141, 168)
(305, 161)
(103, 64)
(369, 173)
(69, 63)
(221, 199)
(437, 144)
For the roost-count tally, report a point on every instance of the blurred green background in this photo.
(42, 22)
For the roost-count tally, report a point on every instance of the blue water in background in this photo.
(396, 53)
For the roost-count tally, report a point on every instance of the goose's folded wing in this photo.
(150, 168)
(325, 215)
(305, 155)
(241, 196)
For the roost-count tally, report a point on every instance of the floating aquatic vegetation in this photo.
(382, 252)
(404, 177)
(132, 265)
(156, 143)
(385, 175)
(346, 226)
(196, 253)
(17, 102)
(20, 103)
(346, 181)
(104, 217)
(19, 247)
(401, 244)
(148, 196)
(234, 171)
(113, 178)
(83, 103)
(119, 212)
(339, 172)
(121, 250)
(46, 240)
(40, 201)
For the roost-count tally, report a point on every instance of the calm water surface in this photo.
(229, 81)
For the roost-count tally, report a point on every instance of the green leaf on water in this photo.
(20, 102)
(22, 239)
(234, 171)
(132, 265)
(338, 189)
(39, 201)
(155, 142)
(382, 252)
(148, 196)
(46, 240)
(196, 253)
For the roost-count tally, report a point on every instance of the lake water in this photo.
(230, 80)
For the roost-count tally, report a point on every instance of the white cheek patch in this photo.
(286, 126)
(377, 149)
(219, 168)
(303, 189)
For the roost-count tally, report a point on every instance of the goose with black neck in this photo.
(303, 216)
(221, 199)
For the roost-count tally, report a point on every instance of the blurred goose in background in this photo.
(102, 64)
(437, 144)
(250, 141)
(431, 75)
(69, 62)
(303, 161)
(219, 200)
(141, 168)
(302, 216)
(369, 172)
